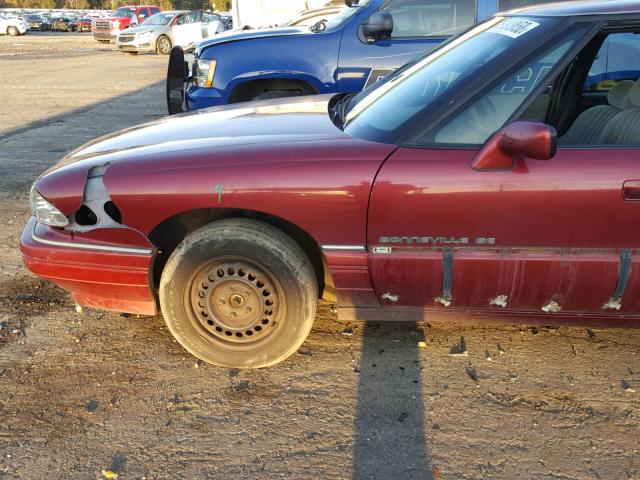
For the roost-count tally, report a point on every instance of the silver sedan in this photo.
(162, 31)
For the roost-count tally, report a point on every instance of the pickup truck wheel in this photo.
(239, 293)
(269, 94)
(163, 45)
(13, 31)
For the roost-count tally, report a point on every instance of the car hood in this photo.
(296, 119)
(146, 28)
(290, 126)
(113, 19)
(238, 35)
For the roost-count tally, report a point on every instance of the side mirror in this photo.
(516, 140)
(379, 25)
(176, 77)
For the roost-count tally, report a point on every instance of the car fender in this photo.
(310, 57)
(321, 186)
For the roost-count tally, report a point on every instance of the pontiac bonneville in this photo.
(485, 180)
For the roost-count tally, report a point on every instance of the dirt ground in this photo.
(83, 395)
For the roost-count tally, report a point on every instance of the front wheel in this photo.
(163, 45)
(239, 293)
(13, 31)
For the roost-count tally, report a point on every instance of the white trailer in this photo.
(256, 13)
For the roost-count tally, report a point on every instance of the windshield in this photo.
(384, 112)
(123, 12)
(159, 19)
(343, 17)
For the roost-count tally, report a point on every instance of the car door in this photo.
(210, 25)
(418, 27)
(187, 29)
(554, 236)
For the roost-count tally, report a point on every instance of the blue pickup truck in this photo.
(366, 41)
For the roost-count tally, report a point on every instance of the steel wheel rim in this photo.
(235, 302)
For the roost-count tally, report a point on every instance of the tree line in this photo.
(113, 4)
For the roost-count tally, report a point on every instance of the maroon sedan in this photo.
(480, 181)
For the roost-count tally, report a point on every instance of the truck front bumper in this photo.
(198, 98)
(110, 35)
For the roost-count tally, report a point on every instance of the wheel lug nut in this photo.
(221, 301)
(232, 314)
(248, 309)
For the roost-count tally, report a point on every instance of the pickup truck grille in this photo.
(126, 38)
(103, 25)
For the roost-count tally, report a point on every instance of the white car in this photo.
(162, 31)
(12, 26)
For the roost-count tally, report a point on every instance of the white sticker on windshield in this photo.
(514, 27)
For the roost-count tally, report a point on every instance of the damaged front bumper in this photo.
(106, 268)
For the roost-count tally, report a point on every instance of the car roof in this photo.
(587, 7)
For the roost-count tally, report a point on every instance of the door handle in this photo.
(631, 190)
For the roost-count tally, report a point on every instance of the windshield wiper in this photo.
(319, 26)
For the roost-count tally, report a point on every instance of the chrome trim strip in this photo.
(105, 248)
(359, 248)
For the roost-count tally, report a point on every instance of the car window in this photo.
(154, 10)
(440, 18)
(345, 14)
(388, 110)
(488, 113)
(618, 59)
(159, 19)
(309, 21)
(123, 12)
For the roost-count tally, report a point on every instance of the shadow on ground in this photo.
(390, 439)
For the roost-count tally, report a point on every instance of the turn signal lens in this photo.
(204, 69)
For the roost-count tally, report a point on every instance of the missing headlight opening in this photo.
(97, 209)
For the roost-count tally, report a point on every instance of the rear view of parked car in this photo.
(12, 26)
(161, 32)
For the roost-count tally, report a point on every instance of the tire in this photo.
(239, 293)
(163, 45)
(130, 53)
(270, 94)
(13, 31)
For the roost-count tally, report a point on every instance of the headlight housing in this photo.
(116, 24)
(204, 69)
(46, 213)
